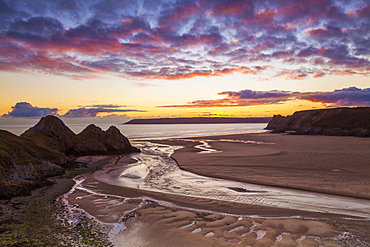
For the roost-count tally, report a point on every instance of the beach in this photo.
(138, 216)
(329, 164)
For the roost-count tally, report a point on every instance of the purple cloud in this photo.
(93, 112)
(35, 28)
(351, 96)
(250, 94)
(342, 97)
(183, 39)
(26, 110)
(244, 98)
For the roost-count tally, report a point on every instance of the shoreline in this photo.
(147, 226)
(336, 161)
(327, 192)
(197, 219)
(206, 204)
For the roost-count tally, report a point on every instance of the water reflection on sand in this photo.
(154, 170)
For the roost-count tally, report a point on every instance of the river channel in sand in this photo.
(154, 171)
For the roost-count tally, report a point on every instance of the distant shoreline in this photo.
(199, 120)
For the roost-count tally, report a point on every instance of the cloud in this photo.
(176, 40)
(106, 106)
(93, 112)
(26, 110)
(178, 14)
(243, 98)
(233, 8)
(351, 96)
(342, 97)
(35, 28)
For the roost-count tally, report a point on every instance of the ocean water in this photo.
(149, 131)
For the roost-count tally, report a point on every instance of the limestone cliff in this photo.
(43, 150)
(52, 132)
(338, 121)
(93, 140)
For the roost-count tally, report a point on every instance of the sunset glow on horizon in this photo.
(219, 58)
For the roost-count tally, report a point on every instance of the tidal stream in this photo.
(155, 170)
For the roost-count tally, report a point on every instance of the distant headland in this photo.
(332, 122)
(199, 120)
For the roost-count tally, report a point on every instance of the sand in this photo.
(157, 225)
(160, 226)
(336, 165)
(329, 164)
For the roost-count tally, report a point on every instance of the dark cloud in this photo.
(183, 39)
(26, 110)
(343, 97)
(250, 94)
(93, 112)
(92, 30)
(43, 27)
(244, 98)
(8, 14)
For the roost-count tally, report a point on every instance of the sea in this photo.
(160, 131)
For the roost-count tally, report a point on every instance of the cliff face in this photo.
(93, 140)
(52, 132)
(339, 121)
(43, 150)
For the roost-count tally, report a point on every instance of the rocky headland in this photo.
(47, 149)
(332, 122)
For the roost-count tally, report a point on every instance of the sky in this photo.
(112, 60)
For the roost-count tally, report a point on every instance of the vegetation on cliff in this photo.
(25, 163)
(337, 122)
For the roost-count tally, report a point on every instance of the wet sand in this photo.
(187, 221)
(329, 164)
(336, 165)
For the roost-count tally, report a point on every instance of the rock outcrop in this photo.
(43, 150)
(337, 122)
(52, 132)
(93, 140)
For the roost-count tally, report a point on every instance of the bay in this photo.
(152, 131)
